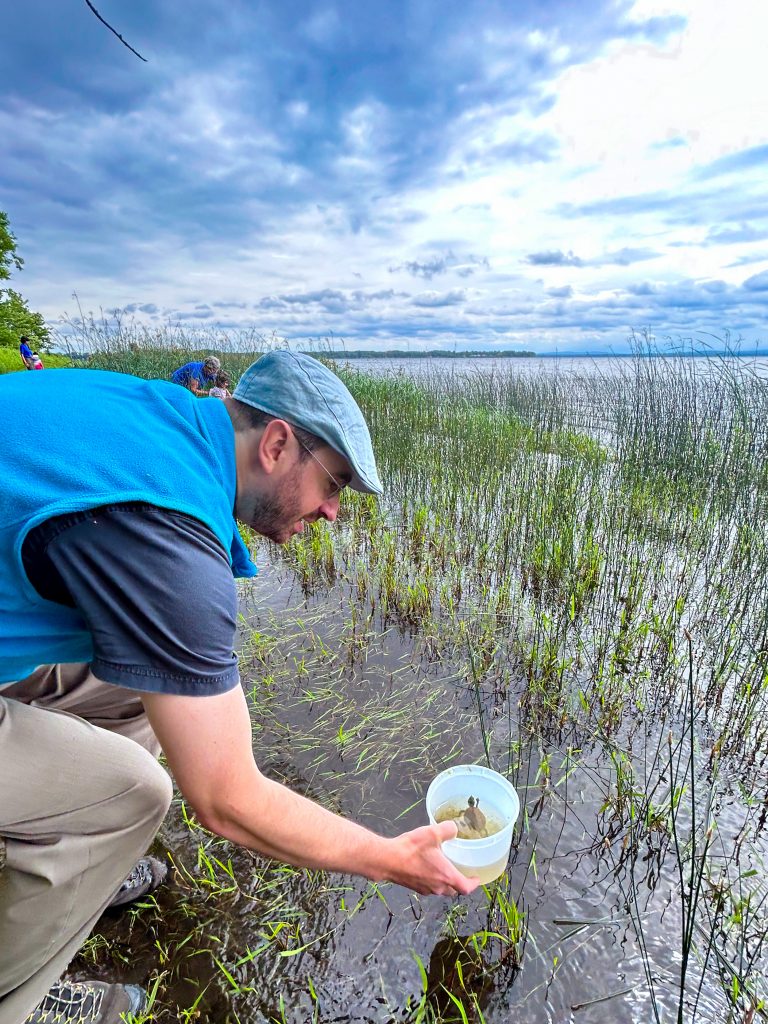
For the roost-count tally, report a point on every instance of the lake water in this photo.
(604, 366)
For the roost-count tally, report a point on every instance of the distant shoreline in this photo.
(513, 354)
(437, 354)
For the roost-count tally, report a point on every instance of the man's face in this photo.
(306, 491)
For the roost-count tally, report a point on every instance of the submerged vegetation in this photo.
(568, 578)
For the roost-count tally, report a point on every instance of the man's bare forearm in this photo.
(289, 827)
(282, 824)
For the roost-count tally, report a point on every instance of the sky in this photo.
(394, 175)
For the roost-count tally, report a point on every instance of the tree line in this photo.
(16, 318)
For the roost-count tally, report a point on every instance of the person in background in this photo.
(220, 387)
(197, 376)
(37, 362)
(118, 606)
(26, 352)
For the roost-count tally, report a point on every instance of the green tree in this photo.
(16, 318)
(9, 258)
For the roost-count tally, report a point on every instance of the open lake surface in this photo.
(360, 712)
(605, 366)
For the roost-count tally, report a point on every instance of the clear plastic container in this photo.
(484, 858)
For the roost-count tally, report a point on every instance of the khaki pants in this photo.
(81, 797)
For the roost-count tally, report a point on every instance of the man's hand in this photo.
(420, 864)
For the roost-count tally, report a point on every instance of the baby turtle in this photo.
(473, 816)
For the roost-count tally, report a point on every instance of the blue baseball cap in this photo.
(297, 388)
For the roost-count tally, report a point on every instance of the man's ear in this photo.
(273, 445)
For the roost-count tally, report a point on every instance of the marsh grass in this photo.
(583, 561)
(115, 341)
(567, 578)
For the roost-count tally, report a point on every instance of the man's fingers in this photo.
(467, 885)
(446, 830)
(460, 885)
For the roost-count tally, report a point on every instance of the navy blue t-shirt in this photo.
(155, 588)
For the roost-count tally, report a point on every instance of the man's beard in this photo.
(273, 516)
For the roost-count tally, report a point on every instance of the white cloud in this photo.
(705, 86)
(256, 217)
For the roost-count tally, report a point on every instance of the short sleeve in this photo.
(156, 590)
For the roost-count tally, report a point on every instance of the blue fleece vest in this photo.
(77, 439)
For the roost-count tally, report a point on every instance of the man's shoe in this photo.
(88, 1002)
(147, 874)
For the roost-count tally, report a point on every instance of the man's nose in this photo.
(330, 509)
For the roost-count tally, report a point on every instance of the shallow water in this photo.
(361, 720)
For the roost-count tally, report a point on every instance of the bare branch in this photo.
(128, 45)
